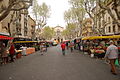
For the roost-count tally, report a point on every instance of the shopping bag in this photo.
(92, 55)
(117, 63)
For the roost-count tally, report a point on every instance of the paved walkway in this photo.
(54, 66)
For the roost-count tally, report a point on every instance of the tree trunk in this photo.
(115, 20)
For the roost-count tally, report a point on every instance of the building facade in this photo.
(31, 28)
(8, 24)
(87, 27)
(58, 33)
(105, 23)
(18, 25)
(15, 24)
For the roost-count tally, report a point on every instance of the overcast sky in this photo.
(57, 11)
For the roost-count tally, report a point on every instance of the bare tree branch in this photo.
(5, 12)
(109, 12)
(116, 3)
(88, 11)
(19, 9)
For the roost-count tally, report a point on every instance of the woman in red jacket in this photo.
(12, 52)
(63, 48)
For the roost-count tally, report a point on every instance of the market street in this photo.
(54, 66)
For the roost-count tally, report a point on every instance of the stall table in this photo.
(30, 51)
(18, 54)
(100, 53)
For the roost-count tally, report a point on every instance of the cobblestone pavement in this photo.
(54, 66)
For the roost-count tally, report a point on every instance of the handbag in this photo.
(117, 63)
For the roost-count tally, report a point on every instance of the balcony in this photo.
(25, 28)
(32, 30)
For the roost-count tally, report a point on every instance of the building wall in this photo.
(18, 22)
(58, 30)
(22, 25)
(4, 3)
(0, 27)
(108, 26)
(31, 28)
(5, 22)
(87, 28)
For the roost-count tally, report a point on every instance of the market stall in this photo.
(30, 51)
(27, 47)
(3, 45)
(97, 45)
(18, 54)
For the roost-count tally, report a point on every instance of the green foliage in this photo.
(48, 33)
(70, 16)
(74, 17)
(71, 27)
(69, 31)
(44, 10)
(41, 13)
(75, 13)
(35, 8)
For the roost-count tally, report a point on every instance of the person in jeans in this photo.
(71, 46)
(4, 54)
(112, 55)
(63, 48)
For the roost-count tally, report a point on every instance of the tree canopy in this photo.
(47, 33)
(70, 31)
(41, 13)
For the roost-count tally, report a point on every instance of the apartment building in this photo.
(87, 27)
(104, 23)
(16, 23)
(31, 27)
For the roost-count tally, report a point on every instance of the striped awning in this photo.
(100, 37)
(5, 37)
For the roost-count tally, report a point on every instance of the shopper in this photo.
(12, 52)
(112, 55)
(4, 54)
(63, 48)
(67, 45)
(71, 46)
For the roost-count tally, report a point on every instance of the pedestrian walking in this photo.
(63, 48)
(12, 52)
(43, 48)
(71, 46)
(4, 55)
(67, 45)
(112, 55)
